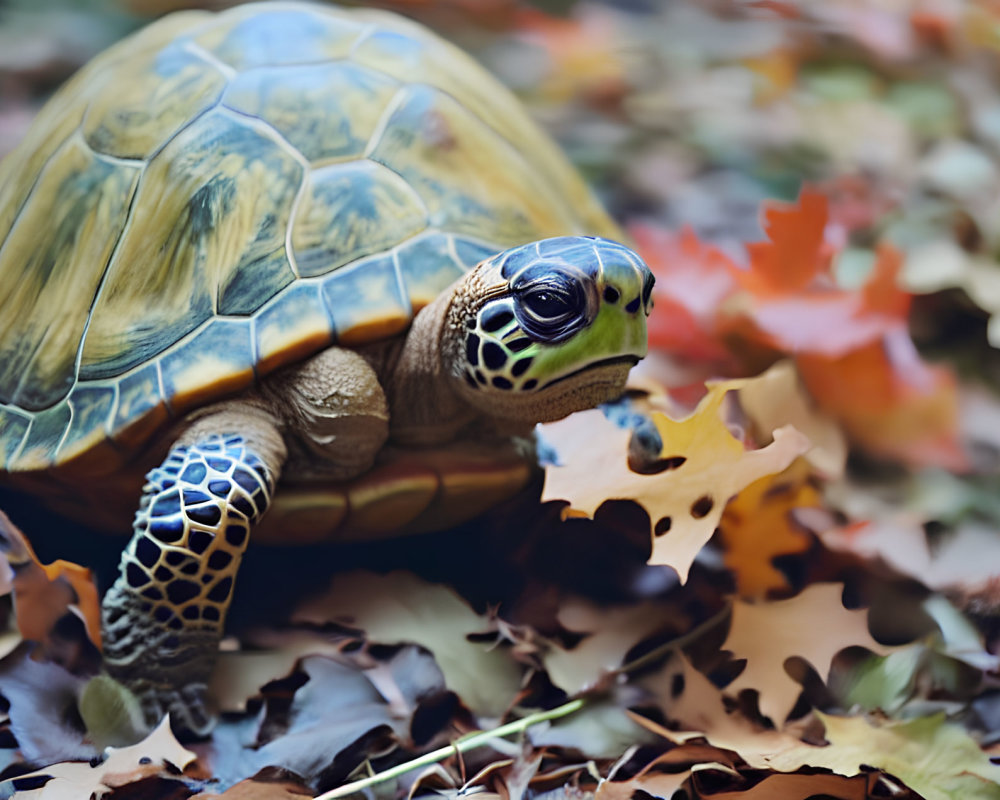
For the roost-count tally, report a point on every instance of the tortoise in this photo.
(288, 247)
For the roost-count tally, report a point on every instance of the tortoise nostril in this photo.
(611, 294)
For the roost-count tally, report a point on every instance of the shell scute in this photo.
(254, 38)
(350, 211)
(428, 267)
(46, 432)
(327, 111)
(209, 220)
(291, 327)
(13, 429)
(216, 361)
(166, 90)
(140, 409)
(366, 301)
(85, 448)
(53, 262)
(469, 179)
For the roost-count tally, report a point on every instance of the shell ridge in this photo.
(195, 49)
(380, 127)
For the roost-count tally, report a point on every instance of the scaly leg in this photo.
(164, 615)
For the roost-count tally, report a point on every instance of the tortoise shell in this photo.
(220, 195)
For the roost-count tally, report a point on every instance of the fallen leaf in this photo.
(121, 766)
(758, 526)
(814, 626)
(935, 758)
(399, 607)
(777, 397)
(701, 465)
(44, 593)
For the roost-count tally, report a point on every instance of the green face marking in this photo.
(573, 304)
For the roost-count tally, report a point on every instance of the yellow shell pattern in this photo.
(219, 195)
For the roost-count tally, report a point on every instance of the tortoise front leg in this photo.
(164, 615)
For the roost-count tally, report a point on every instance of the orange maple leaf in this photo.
(692, 282)
(757, 526)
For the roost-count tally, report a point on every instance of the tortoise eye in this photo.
(551, 304)
(548, 303)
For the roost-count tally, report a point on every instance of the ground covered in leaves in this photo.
(771, 571)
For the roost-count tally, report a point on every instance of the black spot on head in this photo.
(198, 541)
(194, 473)
(472, 349)
(518, 345)
(191, 568)
(212, 446)
(191, 612)
(206, 515)
(521, 366)
(611, 294)
(495, 317)
(219, 464)
(166, 504)
(493, 355)
(529, 384)
(260, 500)
(236, 535)
(633, 305)
(210, 613)
(219, 488)
(175, 623)
(480, 377)
(502, 383)
(135, 575)
(234, 439)
(175, 557)
(162, 614)
(219, 559)
(167, 530)
(163, 574)
(179, 591)
(702, 506)
(152, 593)
(147, 551)
(220, 591)
(469, 379)
(662, 526)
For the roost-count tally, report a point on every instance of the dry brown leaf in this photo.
(797, 787)
(704, 465)
(814, 625)
(43, 593)
(71, 780)
(271, 783)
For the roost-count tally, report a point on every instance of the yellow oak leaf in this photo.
(701, 466)
(813, 625)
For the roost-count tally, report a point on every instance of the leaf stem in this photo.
(461, 745)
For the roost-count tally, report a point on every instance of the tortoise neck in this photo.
(425, 407)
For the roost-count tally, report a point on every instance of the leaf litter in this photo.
(771, 570)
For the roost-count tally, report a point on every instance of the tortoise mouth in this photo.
(606, 362)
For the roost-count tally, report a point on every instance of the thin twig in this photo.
(462, 745)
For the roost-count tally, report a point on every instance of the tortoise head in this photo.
(548, 328)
